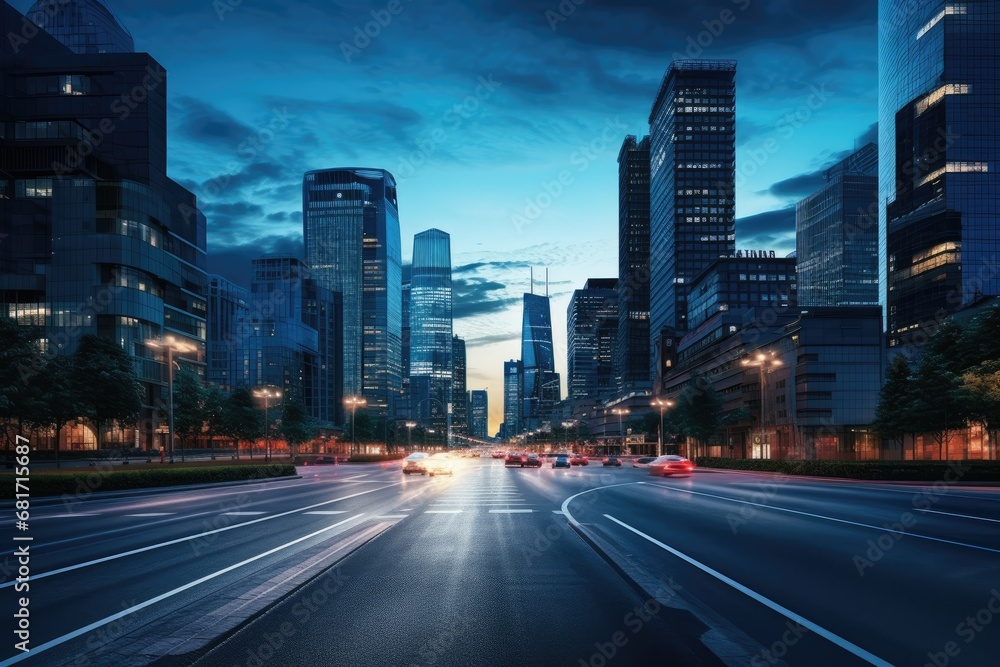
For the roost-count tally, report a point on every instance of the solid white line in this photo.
(829, 518)
(180, 589)
(392, 516)
(327, 512)
(151, 514)
(821, 631)
(64, 516)
(557, 511)
(443, 512)
(511, 511)
(565, 505)
(168, 543)
(243, 513)
(964, 516)
(356, 477)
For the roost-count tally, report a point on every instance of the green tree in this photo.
(647, 423)
(241, 421)
(56, 399)
(938, 405)
(189, 404)
(297, 425)
(20, 363)
(894, 415)
(213, 407)
(700, 410)
(108, 387)
(982, 394)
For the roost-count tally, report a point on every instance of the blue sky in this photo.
(478, 108)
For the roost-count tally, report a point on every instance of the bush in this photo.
(375, 458)
(83, 483)
(917, 471)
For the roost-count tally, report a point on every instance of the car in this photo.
(415, 463)
(440, 464)
(612, 461)
(534, 461)
(579, 460)
(671, 464)
(323, 460)
(643, 462)
(498, 454)
(517, 459)
(561, 461)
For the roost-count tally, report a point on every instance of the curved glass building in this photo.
(85, 26)
(431, 318)
(939, 161)
(351, 229)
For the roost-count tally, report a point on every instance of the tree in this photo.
(894, 415)
(20, 361)
(297, 425)
(241, 421)
(214, 412)
(189, 404)
(108, 386)
(981, 388)
(700, 410)
(55, 397)
(647, 423)
(937, 399)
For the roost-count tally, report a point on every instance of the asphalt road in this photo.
(359, 565)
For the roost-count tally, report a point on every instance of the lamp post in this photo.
(566, 424)
(267, 393)
(763, 362)
(170, 345)
(354, 402)
(409, 435)
(621, 430)
(663, 405)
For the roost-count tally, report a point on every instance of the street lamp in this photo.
(354, 402)
(763, 362)
(409, 435)
(621, 430)
(267, 393)
(170, 345)
(662, 405)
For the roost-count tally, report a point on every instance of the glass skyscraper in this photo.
(512, 397)
(431, 318)
(228, 319)
(539, 380)
(591, 337)
(459, 391)
(692, 129)
(939, 161)
(479, 414)
(85, 26)
(836, 235)
(351, 229)
(632, 350)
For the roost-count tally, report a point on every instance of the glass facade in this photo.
(228, 319)
(431, 318)
(512, 371)
(479, 414)
(939, 161)
(351, 231)
(85, 26)
(836, 235)
(591, 338)
(97, 239)
(539, 381)
(632, 351)
(692, 183)
(741, 282)
(459, 392)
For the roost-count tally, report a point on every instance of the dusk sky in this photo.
(261, 92)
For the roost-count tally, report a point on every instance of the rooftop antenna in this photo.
(546, 282)
(532, 287)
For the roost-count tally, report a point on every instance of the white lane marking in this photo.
(443, 512)
(159, 598)
(964, 516)
(152, 514)
(65, 516)
(787, 613)
(406, 509)
(565, 505)
(168, 543)
(327, 512)
(557, 511)
(356, 476)
(392, 516)
(830, 518)
(511, 511)
(243, 513)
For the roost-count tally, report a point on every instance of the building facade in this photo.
(85, 26)
(939, 162)
(228, 319)
(351, 230)
(431, 335)
(512, 401)
(479, 414)
(539, 381)
(632, 350)
(459, 391)
(591, 338)
(836, 235)
(692, 177)
(742, 281)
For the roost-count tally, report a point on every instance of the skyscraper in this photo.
(632, 351)
(939, 161)
(228, 318)
(692, 187)
(479, 412)
(404, 407)
(539, 381)
(512, 397)
(836, 235)
(459, 391)
(351, 229)
(591, 337)
(85, 26)
(96, 238)
(431, 319)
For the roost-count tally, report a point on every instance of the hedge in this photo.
(918, 471)
(84, 483)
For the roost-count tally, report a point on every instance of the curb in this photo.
(853, 480)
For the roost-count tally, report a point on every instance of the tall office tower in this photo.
(85, 26)
(96, 238)
(512, 371)
(293, 337)
(539, 380)
(228, 319)
(403, 406)
(430, 321)
(351, 228)
(479, 414)
(692, 176)
(939, 161)
(836, 235)
(632, 350)
(459, 391)
(591, 337)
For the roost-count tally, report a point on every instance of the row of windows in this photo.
(49, 129)
(62, 84)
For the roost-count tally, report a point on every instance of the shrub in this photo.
(917, 471)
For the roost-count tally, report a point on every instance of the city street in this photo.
(360, 565)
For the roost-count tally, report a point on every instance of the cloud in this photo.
(773, 230)
(203, 123)
(475, 297)
(233, 262)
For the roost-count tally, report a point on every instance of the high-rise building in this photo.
(591, 337)
(351, 229)
(96, 238)
(228, 319)
(836, 235)
(431, 320)
(939, 161)
(746, 280)
(459, 391)
(512, 371)
(539, 380)
(632, 351)
(479, 412)
(403, 406)
(692, 177)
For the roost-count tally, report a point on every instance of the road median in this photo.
(896, 471)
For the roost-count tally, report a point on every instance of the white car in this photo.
(415, 463)
(643, 462)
